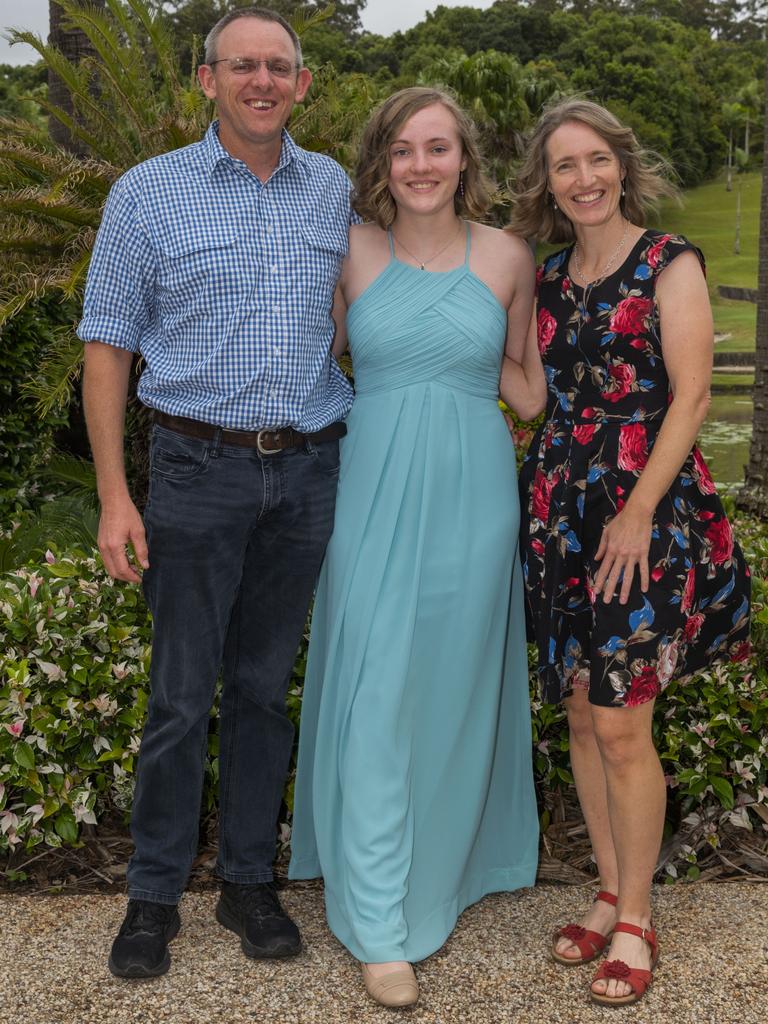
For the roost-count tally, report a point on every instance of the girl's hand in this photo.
(624, 546)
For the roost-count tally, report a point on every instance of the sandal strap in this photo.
(646, 934)
(616, 970)
(587, 942)
(607, 897)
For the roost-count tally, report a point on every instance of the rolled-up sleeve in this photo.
(119, 291)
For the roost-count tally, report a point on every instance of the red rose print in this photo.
(639, 343)
(688, 591)
(537, 546)
(720, 536)
(644, 688)
(539, 276)
(566, 283)
(654, 253)
(584, 432)
(630, 315)
(542, 494)
(703, 478)
(588, 413)
(633, 447)
(657, 572)
(621, 378)
(693, 626)
(547, 326)
(741, 651)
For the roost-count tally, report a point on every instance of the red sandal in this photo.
(639, 979)
(590, 944)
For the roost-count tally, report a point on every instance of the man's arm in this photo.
(105, 393)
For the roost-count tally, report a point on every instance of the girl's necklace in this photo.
(422, 263)
(608, 265)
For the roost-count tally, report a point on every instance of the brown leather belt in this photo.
(267, 442)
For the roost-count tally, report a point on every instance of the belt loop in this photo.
(216, 443)
(309, 445)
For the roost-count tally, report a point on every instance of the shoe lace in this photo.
(144, 916)
(260, 900)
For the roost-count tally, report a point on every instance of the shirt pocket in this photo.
(198, 273)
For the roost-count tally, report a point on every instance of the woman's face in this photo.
(425, 161)
(584, 174)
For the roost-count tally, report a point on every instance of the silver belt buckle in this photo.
(260, 447)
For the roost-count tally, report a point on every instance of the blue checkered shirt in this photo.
(225, 285)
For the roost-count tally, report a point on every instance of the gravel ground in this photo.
(713, 968)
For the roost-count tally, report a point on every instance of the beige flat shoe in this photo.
(398, 988)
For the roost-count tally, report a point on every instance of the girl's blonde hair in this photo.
(372, 199)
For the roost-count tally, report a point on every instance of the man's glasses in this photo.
(277, 68)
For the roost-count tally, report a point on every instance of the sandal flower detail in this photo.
(638, 979)
(590, 944)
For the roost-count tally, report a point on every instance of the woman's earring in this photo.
(461, 184)
(554, 201)
(623, 189)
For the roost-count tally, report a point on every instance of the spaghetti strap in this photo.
(469, 245)
(391, 243)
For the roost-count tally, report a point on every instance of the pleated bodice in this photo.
(412, 327)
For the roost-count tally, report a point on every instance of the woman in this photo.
(414, 794)
(632, 576)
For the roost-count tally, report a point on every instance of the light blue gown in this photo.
(414, 794)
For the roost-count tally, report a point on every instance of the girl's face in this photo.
(426, 160)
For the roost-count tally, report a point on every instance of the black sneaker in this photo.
(141, 947)
(254, 913)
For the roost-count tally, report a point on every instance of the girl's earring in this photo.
(461, 184)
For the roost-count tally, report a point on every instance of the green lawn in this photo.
(708, 218)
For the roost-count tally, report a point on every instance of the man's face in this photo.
(253, 108)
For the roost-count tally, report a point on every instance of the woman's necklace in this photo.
(422, 263)
(608, 265)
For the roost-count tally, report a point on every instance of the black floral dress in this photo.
(608, 394)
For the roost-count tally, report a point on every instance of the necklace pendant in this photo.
(421, 266)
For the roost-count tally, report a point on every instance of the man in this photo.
(218, 262)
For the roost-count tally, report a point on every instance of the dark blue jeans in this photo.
(235, 545)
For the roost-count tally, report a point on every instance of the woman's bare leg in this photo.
(588, 773)
(636, 807)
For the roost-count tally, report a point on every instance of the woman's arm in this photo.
(339, 314)
(687, 337)
(522, 385)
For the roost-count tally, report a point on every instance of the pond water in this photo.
(724, 438)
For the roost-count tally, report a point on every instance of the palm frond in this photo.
(52, 385)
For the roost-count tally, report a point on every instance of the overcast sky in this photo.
(382, 16)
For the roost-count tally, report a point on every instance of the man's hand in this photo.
(121, 526)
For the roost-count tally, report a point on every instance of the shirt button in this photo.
(274, 268)
(276, 309)
(268, 229)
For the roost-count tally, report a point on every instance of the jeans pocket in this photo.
(326, 457)
(176, 457)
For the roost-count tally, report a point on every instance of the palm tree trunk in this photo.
(75, 45)
(729, 176)
(754, 495)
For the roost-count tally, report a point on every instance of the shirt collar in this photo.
(216, 154)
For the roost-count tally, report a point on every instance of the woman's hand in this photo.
(624, 547)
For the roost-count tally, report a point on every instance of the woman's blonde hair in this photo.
(372, 199)
(647, 175)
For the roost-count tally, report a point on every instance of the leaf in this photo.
(66, 826)
(24, 755)
(723, 790)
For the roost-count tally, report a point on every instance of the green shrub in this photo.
(24, 438)
(74, 659)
